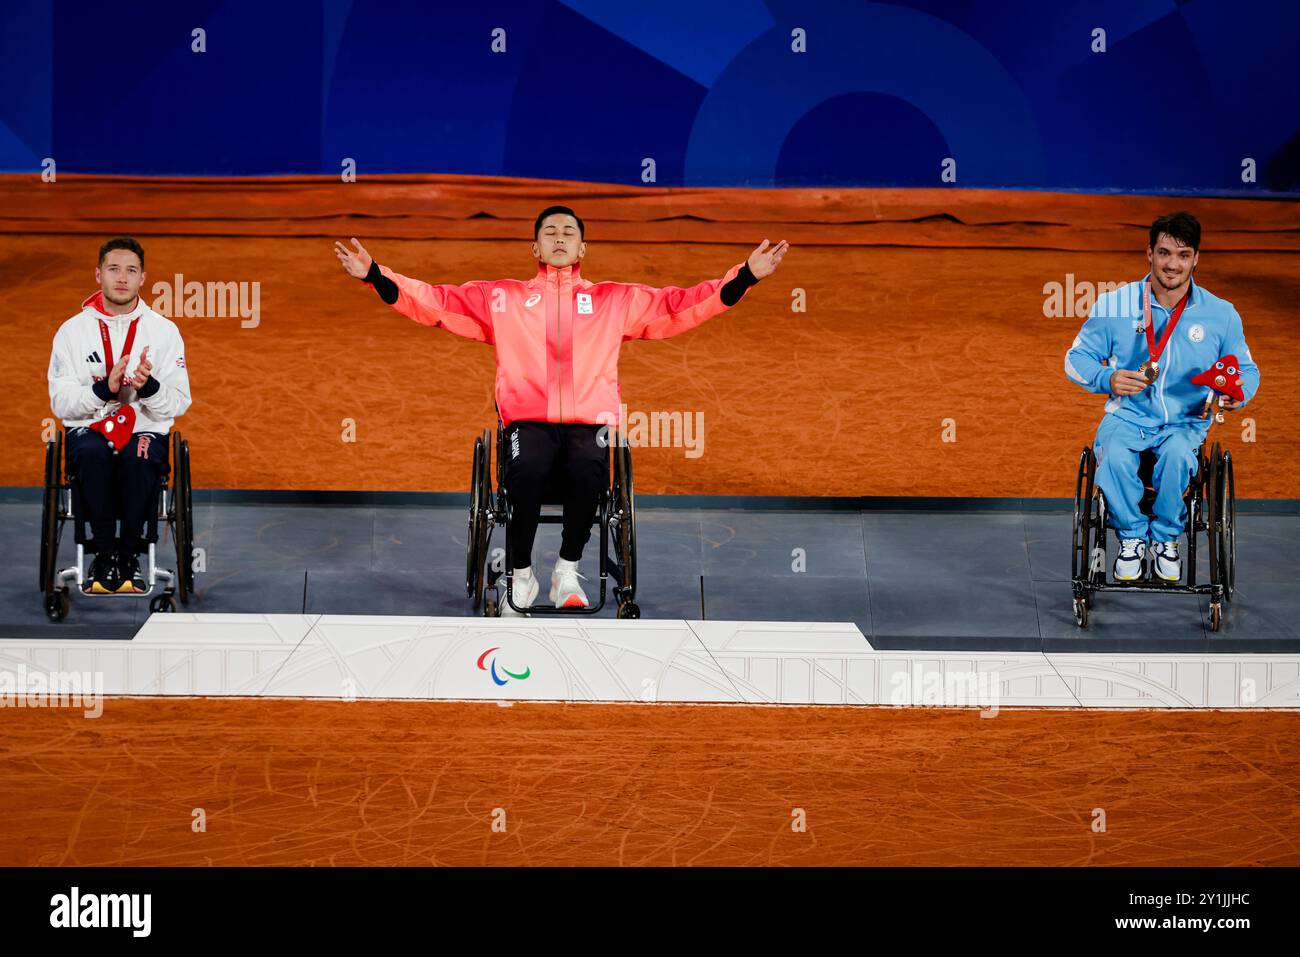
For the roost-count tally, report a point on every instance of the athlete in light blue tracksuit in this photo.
(1164, 415)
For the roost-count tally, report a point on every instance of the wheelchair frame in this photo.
(490, 508)
(1211, 503)
(62, 503)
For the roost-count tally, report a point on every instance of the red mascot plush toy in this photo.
(1221, 378)
(118, 426)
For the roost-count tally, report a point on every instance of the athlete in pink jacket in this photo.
(557, 338)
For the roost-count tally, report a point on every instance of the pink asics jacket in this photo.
(557, 335)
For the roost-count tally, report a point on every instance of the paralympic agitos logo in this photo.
(491, 668)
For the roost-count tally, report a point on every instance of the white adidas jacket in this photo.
(77, 363)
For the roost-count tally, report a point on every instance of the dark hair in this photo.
(121, 242)
(1182, 226)
(551, 211)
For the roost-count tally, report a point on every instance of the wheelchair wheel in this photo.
(56, 605)
(500, 454)
(50, 524)
(477, 531)
(623, 527)
(182, 517)
(1085, 529)
(1098, 546)
(485, 515)
(473, 585)
(1081, 612)
(1213, 517)
(1226, 494)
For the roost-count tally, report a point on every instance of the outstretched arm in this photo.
(662, 313)
(461, 310)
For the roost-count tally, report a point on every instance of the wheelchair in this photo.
(63, 503)
(1211, 503)
(490, 507)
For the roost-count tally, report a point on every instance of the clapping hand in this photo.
(115, 375)
(142, 371)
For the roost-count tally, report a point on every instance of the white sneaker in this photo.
(1168, 567)
(1130, 560)
(565, 590)
(524, 592)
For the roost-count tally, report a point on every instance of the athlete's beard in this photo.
(1159, 277)
(121, 302)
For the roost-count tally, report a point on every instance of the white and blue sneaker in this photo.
(1131, 560)
(1168, 567)
(524, 591)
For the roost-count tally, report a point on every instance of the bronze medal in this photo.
(1149, 370)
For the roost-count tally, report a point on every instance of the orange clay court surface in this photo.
(922, 305)
(402, 783)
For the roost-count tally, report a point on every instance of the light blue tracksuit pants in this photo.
(1117, 446)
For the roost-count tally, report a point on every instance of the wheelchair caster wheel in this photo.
(1081, 612)
(1216, 615)
(163, 604)
(56, 605)
(491, 609)
(629, 609)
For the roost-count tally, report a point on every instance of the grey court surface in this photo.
(924, 580)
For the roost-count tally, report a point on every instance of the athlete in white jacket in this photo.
(117, 351)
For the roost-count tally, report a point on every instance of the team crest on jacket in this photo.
(1196, 333)
(584, 303)
(532, 300)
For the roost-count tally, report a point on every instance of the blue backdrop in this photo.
(712, 92)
